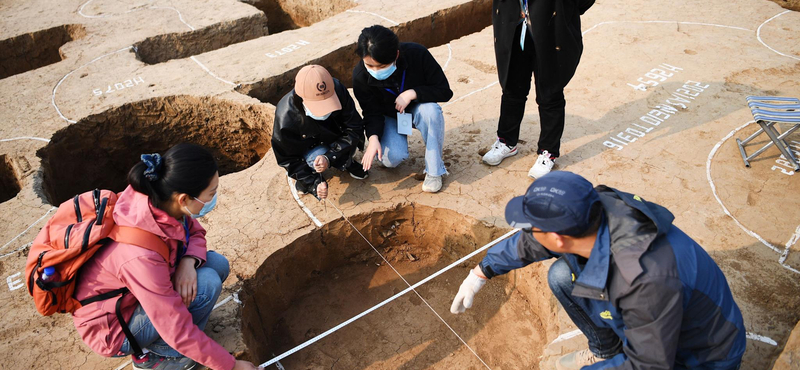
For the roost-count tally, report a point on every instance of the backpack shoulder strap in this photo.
(140, 238)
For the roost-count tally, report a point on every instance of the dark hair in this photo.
(378, 42)
(595, 217)
(185, 168)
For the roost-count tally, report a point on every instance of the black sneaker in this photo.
(156, 362)
(300, 187)
(356, 171)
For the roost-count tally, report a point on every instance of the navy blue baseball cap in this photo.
(558, 202)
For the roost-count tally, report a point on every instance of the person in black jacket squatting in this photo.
(543, 38)
(398, 86)
(317, 127)
(643, 292)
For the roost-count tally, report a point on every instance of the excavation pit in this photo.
(285, 15)
(161, 48)
(434, 30)
(98, 151)
(331, 274)
(9, 184)
(34, 50)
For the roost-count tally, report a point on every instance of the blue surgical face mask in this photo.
(207, 207)
(383, 74)
(308, 113)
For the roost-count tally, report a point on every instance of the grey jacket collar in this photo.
(631, 225)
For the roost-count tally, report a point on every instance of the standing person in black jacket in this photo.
(317, 127)
(542, 38)
(392, 82)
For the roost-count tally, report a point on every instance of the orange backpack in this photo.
(79, 228)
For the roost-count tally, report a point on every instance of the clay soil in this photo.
(9, 185)
(27, 52)
(332, 274)
(789, 4)
(239, 135)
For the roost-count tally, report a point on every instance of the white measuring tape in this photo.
(392, 298)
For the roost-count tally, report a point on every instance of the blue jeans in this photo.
(603, 342)
(312, 154)
(209, 285)
(429, 120)
(318, 150)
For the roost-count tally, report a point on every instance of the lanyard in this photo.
(523, 4)
(186, 243)
(402, 85)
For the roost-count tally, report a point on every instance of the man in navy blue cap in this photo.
(645, 294)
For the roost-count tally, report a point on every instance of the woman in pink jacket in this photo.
(169, 301)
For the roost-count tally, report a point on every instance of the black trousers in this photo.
(549, 97)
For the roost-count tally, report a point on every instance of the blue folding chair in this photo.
(767, 112)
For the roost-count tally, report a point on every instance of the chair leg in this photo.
(765, 126)
(744, 155)
(753, 136)
(773, 134)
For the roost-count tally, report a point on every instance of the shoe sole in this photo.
(431, 191)
(501, 159)
(533, 176)
(359, 178)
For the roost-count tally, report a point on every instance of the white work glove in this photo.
(466, 293)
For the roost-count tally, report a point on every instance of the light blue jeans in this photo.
(429, 120)
(312, 154)
(209, 285)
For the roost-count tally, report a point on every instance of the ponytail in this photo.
(184, 168)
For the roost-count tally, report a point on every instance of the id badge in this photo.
(404, 123)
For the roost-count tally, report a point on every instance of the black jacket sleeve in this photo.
(370, 102)
(284, 144)
(436, 88)
(353, 127)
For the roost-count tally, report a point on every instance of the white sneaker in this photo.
(544, 164)
(577, 360)
(498, 152)
(432, 184)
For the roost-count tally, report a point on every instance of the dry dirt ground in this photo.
(89, 85)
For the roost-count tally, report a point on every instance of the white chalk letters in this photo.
(656, 76)
(120, 86)
(288, 49)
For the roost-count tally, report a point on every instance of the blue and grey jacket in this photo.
(648, 281)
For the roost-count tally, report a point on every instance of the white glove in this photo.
(466, 293)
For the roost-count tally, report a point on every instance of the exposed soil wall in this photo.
(789, 4)
(291, 14)
(437, 29)
(161, 48)
(9, 185)
(27, 52)
(325, 277)
(98, 151)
